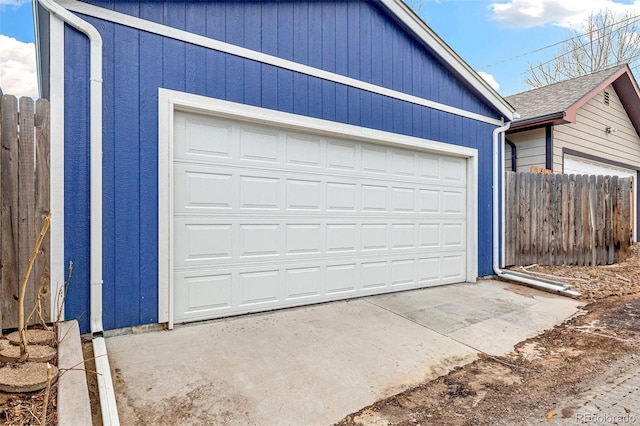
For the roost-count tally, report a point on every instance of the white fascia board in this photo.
(422, 30)
(198, 40)
(36, 35)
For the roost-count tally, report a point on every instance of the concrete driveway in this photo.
(314, 365)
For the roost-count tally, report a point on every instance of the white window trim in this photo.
(177, 34)
(170, 101)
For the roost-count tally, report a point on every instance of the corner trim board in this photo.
(548, 158)
(56, 190)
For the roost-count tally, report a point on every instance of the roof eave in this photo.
(573, 109)
(626, 88)
(553, 118)
(41, 37)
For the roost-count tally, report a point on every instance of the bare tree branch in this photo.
(605, 40)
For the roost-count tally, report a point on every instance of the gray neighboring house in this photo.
(585, 125)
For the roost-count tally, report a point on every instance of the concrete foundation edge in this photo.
(74, 406)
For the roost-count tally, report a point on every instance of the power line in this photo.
(557, 43)
(636, 17)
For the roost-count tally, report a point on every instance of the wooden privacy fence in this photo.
(555, 219)
(24, 202)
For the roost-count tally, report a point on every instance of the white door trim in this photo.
(170, 101)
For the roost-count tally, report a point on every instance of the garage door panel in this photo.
(429, 235)
(453, 170)
(259, 144)
(341, 279)
(374, 160)
(202, 137)
(403, 236)
(204, 240)
(452, 265)
(259, 192)
(270, 218)
(429, 167)
(453, 235)
(341, 156)
(259, 240)
(204, 294)
(303, 151)
(342, 197)
(341, 237)
(304, 194)
(202, 188)
(260, 287)
(229, 290)
(453, 202)
(210, 188)
(304, 239)
(429, 270)
(303, 283)
(403, 163)
(403, 273)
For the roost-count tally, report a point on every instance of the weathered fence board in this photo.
(26, 195)
(42, 197)
(554, 219)
(24, 202)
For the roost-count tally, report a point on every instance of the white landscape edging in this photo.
(74, 406)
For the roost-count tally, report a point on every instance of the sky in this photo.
(485, 33)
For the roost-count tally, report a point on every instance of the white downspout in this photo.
(498, 213)
(105, 383)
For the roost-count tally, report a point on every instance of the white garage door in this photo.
(265, 218)
(574, 165)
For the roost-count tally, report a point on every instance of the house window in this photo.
(606, 97)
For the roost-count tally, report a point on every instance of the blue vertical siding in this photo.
(339, 27)
(136, 64)
(151, 72)
(76, 178)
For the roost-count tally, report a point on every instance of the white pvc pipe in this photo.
(105, 384)
(498, 213)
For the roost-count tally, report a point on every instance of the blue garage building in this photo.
(214, 158)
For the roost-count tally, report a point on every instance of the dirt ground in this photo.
(538, 379)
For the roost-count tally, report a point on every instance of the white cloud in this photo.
(566, 13)
(13, 3)
(490, 79)
(18, 67)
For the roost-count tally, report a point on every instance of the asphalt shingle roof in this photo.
(558, 97)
